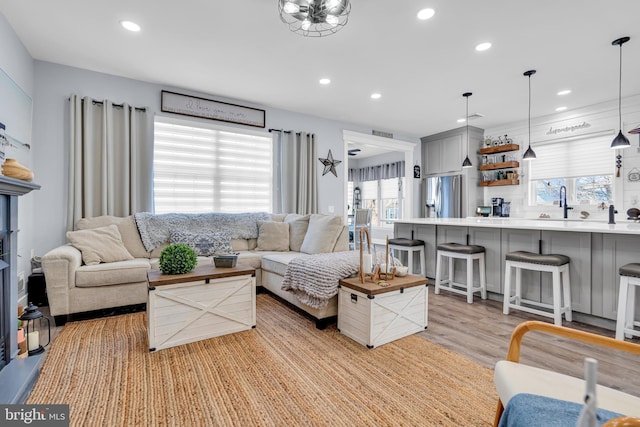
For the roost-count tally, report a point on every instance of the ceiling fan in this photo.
(353, 152)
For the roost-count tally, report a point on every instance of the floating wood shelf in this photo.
(503, 165)
(500, 182)
(499, 149)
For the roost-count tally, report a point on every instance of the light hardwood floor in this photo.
(481, 332)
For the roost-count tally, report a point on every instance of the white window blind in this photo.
(389, 188)
(369, 190)
(571, 159)
(200, 168)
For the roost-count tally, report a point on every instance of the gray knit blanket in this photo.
(156, 229)
(313, 279)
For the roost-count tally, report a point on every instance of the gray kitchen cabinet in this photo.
(427, 233)
(576, 246)
(522, 240)
(490, 238)
(443, 154)
(616, 251)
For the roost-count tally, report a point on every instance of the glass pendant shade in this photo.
(467, 163)
(620, 141)
(529, 154)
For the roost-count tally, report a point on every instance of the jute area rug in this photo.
(283, 373)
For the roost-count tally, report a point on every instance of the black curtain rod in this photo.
(283, 131)
(94, 102)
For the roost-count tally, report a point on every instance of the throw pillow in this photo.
(273, 236)
(102, 244)
(204, 244)
(298, 225)
(322, 234)
(127, 228)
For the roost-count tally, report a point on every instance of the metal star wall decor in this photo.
(329, 164)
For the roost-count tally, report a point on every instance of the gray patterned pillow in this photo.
(204, 244)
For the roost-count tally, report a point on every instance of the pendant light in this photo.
(529, 154)
(467, 162)
(620, 141)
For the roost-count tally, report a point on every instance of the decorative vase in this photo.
(12, 169)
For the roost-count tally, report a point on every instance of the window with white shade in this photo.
(207, 168)
(584, 166)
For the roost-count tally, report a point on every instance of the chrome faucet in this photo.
(563, 201)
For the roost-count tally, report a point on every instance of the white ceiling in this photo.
(240, 49)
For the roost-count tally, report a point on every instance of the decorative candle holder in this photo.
(29, 317)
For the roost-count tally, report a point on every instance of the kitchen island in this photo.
(596, 249)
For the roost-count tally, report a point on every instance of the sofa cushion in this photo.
(102, 244)
(250, 259)
(273, 236)
(127, 228)
(322, 234)
(113, 273)
(277, 263)
(298, 225)
(204, 244)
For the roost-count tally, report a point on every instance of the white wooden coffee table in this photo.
(205, 303)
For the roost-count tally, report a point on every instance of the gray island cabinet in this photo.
(597, 250)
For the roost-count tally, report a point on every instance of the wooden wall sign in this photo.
(195, 106)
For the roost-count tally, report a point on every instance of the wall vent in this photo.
(381, 133)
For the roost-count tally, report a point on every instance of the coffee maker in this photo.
(496, 206)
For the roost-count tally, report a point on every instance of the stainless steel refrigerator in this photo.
(442, 196)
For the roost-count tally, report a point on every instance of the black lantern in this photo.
(32, 330)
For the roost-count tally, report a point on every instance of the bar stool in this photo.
(629, 279)
(557, 265)
(410, 246)
(469, 253)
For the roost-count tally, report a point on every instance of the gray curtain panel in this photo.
(296, 177)
(374, 173)
(110, 166)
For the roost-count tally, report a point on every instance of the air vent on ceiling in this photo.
(475, 116)
(381, 133)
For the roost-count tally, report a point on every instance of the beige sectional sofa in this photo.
(105, 264)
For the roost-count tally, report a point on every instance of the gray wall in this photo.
(17, 63)
(55, 83)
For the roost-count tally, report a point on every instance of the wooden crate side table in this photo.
(373, 315)
(205, 303)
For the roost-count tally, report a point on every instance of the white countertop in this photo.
(588, 226)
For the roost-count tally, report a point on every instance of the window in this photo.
(207, 168)
(584, 166)
(385, 197)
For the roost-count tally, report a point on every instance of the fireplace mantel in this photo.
(16, 187)
(18, 374)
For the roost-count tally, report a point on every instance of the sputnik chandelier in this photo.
(314, 18)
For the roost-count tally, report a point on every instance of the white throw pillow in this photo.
(298, 225)
(273, 236)
(102, 244)
(322, 234)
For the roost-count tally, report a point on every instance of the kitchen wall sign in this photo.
(416, 171)
(634, 175)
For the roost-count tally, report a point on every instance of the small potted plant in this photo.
(177, 258)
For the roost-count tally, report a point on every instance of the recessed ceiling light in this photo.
(425, 14)
(462, 120)
(131, 26)
(376, 96)
(325, 81)
(483, 46)
(561, 108)
(564, 92)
